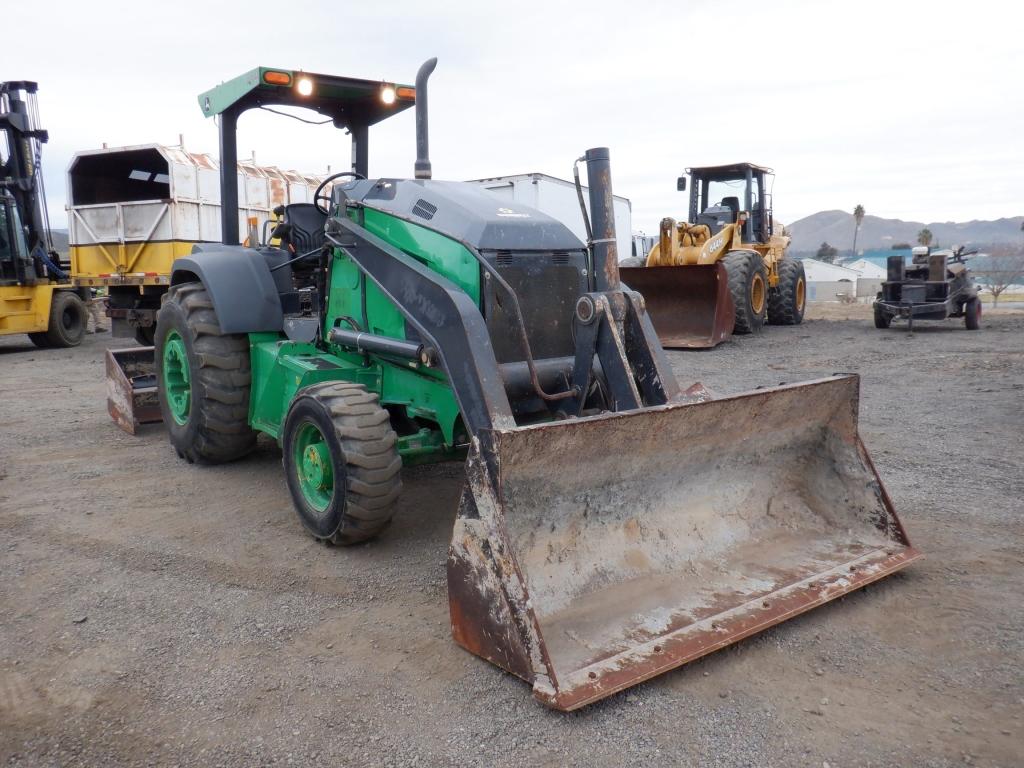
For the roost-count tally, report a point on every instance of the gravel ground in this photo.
(154, 613)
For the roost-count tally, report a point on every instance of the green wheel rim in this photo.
(177, 381)
(311, 457)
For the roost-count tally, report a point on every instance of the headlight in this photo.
(387, 94)
(304, 86)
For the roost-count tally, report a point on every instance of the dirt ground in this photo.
(155, 613)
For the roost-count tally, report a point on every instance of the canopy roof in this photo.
(734, 170)
(348, 101)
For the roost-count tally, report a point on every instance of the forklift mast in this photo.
(21, 173)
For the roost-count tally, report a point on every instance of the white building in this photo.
(867, 269)
(829, 282)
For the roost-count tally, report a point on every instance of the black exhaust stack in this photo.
(603, 247)
(422, 167)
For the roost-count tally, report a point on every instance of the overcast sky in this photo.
(914, 109)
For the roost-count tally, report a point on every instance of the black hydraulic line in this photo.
(579, 196)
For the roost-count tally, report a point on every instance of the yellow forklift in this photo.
(36, 295)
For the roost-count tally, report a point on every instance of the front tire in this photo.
(882, 319)
(972, 314)
(786, 303)
(341, 462)
(66, 325)
(748, 284)
(203, 379)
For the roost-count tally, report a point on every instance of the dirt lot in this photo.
(157, 613)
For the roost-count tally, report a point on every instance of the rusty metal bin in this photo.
(131, 388)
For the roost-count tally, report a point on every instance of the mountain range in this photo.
(836, 229)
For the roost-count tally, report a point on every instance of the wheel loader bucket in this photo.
(690, 306)
(131, 388)
(593, 554)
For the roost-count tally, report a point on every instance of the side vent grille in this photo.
(560, 258)
(504, 259)
(424, 210)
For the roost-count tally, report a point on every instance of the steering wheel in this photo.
(319, 195)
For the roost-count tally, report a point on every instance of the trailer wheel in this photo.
(66, 325)
(341, 462)
(882, 319)
(972, 314)
(748, 284)
(203, 379)
(787, 300)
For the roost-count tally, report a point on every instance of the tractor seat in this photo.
(733, 204)
(302, 229)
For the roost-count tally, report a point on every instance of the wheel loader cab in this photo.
(718, 194)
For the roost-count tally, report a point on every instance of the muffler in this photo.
(690, 306)
(592, 554)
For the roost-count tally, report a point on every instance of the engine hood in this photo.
(467, 213)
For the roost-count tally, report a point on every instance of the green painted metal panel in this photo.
(216, 100)
(280, 368)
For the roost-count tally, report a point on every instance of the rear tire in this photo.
(145, 335)
(203, 379)
(786, 303)
(633, 261)
(66, 325)
(341, 462)
(882, 319)
(972, 314)
(748, 284)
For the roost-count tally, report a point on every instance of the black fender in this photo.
(240, 284)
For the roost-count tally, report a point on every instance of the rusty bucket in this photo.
(690, 306)
(131, 388)
(591, 555)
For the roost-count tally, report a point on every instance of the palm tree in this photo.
(924, 237)
(858, 216)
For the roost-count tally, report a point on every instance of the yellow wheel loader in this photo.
(724, 270)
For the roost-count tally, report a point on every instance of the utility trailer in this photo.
(133, 210)
(935, 286)
(558, 199)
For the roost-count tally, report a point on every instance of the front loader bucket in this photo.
(593, 554)
(690, 306)
(131, 388)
